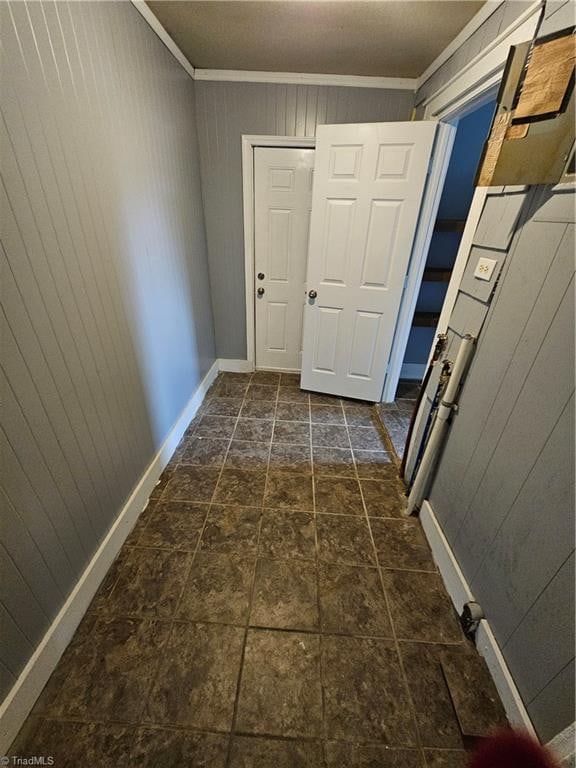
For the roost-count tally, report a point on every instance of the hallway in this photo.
(271, 608)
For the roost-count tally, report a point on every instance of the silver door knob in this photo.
(260, 291)
(312, 294)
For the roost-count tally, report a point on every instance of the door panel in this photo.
(368, 188)
(282, 205)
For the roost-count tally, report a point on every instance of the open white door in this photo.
(369, 181)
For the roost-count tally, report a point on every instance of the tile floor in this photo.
(396, 416)
(272, 607)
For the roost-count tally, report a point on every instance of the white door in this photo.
(282, 204)
(368, 188)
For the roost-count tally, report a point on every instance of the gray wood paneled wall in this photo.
(226, 111)
(504, 489)
(106, 321)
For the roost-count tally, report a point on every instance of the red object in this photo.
(510, 749)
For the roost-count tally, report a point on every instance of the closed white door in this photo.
(282, 204)
(368, 188)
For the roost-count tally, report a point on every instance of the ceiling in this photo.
(387, 38)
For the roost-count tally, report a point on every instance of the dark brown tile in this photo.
(217, 427)
(447, 758)
(257, 430)
(402, 544)
(262, 392)
(437, 723)
(344, 540)
(231, 389)
(284, 490)
(204, 452)
(292, 432)
(242, 377)
(375, 465)
(217, 589)
(327, 414)
(293, 412)
(330, 436)
(160, 486)
(245, 454)
(290, 458)
(364, 693)
(257, 752)
(242, 487)
(280, 691)
(473, 693)
(258, 409)
(290, 380)
(173, 525)
(285, 595)
(435, 620)
(196, 684)
(360, 416)
(148, 583)
(338, 496)
(191, 484)
(72, 744)
(287, 534)
(290, 394)
(321, 399)
(340, 754)
(366, 439)
(352, 601)
(107, 673)
(383, 498)
(171, 748)
(141, 523)
(224, 406)
(231, 530)
(333, 461)
(270, 378)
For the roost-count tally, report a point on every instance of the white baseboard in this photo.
(19, 702)
(414, 371)
(460, 593)
(235, 366)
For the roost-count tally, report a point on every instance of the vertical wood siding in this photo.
(106, 321)
(504, 490)
(225, 112)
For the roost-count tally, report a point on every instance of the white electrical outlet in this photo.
(485, 268)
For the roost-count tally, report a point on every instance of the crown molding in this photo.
(466, 32)
(306, 78)
(155, 25)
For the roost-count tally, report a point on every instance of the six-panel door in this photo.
(282, 203)
(368, 188)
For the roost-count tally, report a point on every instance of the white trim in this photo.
(472, 221)
(563, 745)
(19, 702)
(307, 78)
(443, 144)
(235, 366)
(460, 593)
(485, 69)
(248, 144)
(475, 23)
(153, 22)
(414, 371)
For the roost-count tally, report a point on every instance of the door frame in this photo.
(249, 144)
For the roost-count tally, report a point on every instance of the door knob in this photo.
(312, 294)
(260, 291)
(261, 275)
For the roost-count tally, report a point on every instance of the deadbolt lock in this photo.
(312, 294)
(261, 275)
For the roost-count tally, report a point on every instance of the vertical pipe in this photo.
(440, 427)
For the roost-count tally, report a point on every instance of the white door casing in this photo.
(368, 188)
(282, 204)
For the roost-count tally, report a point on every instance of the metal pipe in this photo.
(447, 405)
